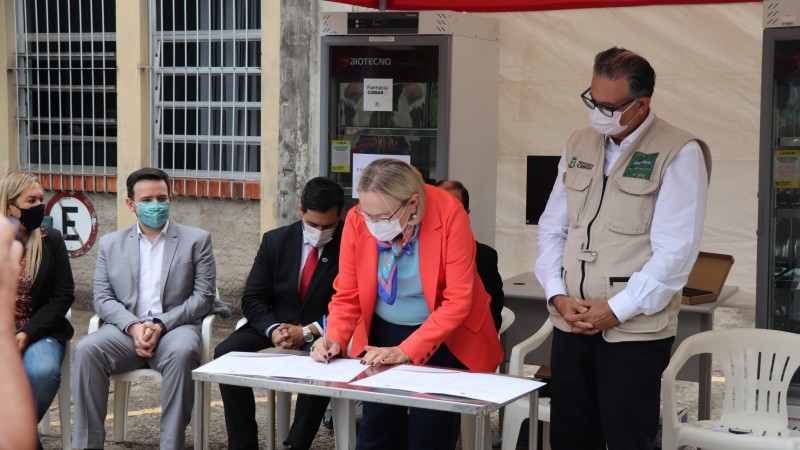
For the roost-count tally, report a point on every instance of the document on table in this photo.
(410, 378)
(479, 386)
(283, 365)
(337, 369)
(246, 363)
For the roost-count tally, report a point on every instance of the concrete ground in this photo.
(144, 410)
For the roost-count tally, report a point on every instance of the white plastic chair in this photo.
(63, 398)
(507, 317)
(122, 382)
(758, 365)
(515, 413)
(468, 420)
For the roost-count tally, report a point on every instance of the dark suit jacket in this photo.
(270, 295)
(52, 292)
(486, 260)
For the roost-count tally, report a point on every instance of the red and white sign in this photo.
(73, 215)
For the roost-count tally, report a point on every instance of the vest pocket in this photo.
(577, 188)
(640, 323)
(631, 205)
(644, 324)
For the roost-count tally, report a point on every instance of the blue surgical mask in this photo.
(153, 214)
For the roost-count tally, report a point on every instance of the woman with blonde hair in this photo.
(45, 290)
(408, 292)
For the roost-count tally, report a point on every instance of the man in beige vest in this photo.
(617, 241)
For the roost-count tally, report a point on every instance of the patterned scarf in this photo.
(387, 269)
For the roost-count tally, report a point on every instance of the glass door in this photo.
(778, 277)
(383, 98)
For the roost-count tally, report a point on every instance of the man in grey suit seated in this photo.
(154, 283)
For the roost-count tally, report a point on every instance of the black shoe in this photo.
(327, 421)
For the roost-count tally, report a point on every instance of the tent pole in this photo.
(382, 5)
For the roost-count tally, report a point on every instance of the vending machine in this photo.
(778, 268)
(418, 86)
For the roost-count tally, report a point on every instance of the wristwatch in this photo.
(307, 335)
(161, 325)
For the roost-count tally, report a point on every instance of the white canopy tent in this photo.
(708, 64)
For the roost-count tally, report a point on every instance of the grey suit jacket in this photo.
(188, 276)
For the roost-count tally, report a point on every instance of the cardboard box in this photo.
(708, 274)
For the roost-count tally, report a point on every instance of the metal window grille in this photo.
(66, 86)
(206, 88)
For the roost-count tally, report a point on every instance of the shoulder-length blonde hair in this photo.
(396, 179)
(12, 185)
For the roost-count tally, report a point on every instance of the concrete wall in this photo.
(8, 97)
(299, 115)
(235, 233)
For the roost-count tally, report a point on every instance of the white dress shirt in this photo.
(675, 232)
(151, 257)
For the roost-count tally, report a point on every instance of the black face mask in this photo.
(31, 218)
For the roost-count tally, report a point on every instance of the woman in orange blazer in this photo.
(408, 292)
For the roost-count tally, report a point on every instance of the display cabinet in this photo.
(422, 86)
(778, 273)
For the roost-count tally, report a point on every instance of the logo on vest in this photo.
(641, 166)
(585, 165)
(572, 162)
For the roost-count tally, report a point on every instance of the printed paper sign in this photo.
(362, 160)
(340, 156)
(378, 94)
(786, 169)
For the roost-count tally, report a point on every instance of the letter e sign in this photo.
(73, 215)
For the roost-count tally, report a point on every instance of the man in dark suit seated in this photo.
(285, 297)
(485, 256)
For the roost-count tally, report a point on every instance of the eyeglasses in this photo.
(375, 219)
(607, 111)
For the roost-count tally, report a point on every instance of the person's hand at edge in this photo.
(384, 355)
(325, 350)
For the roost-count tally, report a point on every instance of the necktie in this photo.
(308, 270)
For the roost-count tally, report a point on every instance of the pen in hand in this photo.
(325, 336)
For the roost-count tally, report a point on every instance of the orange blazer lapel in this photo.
(367, 268)
(430, 252)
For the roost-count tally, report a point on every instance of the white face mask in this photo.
(608, 126)
(386, 231)
(317, 238)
